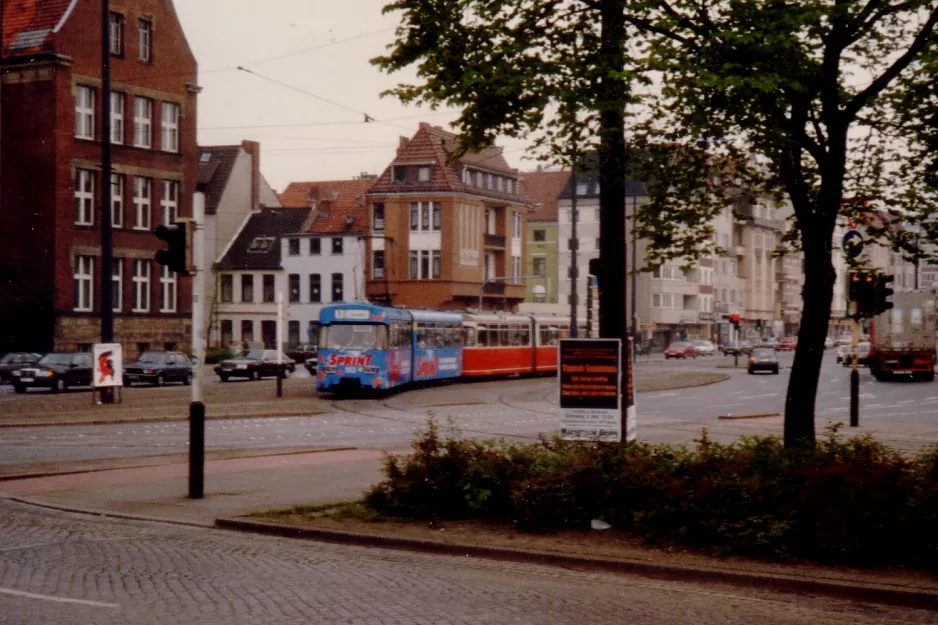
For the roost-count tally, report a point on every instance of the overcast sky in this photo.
(313, 140)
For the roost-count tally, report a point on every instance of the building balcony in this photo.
(738, 250)
(689, 316)
(494, 240)
(494, 288)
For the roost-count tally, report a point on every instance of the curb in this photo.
(169, 419)
(104, 513)
(725, 377)
(762, 415)
(919, 599)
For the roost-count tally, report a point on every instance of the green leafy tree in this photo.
(831, 103)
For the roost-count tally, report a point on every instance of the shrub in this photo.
(216, 355)
(853, 500)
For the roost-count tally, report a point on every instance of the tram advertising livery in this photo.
(362, 346)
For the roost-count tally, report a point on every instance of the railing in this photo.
(494, 288)
(494, 240)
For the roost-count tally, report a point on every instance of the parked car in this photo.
(159, 368)
(787, 344)
(312, 365)
(14, 361)
(742, 347)
(705, 348)
(763, 359)
(768, 344)
(841, 352)
(302, 352)
(828, 343)
(680, 349)
(254, 365)
(58, 372)
(862, 350)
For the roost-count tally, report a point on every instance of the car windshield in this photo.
(353, 336)
(7, 359)
(677, 345)
(56, 359)
(154, 358)
(764, 353)
(702, 343)
(254, 354)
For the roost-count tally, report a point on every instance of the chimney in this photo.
(313, 197)
(254, 149)
(423, 125)
(402, 142)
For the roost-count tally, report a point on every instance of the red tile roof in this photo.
(28, 25)
(543, 188)
(432, 144)
(335, 203)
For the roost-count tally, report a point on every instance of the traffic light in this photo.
(734, 319)
(883, 292)
(863, 294)
(758, 325)
(178, 256)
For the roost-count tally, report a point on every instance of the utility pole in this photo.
(107, 238)
(197, 407)
(574, 252)
(634, 265)
(280, 370)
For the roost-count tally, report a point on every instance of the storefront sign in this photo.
(590, 389)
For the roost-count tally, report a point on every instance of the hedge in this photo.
(852, 501)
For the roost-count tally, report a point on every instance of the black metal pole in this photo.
(855, 378)
(634, 265)
(107, 240)
(280, 372)
(196, 450)
(574, 252)
(589, 306)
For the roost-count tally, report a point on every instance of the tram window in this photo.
(525, 335)
(483, 336)
(469, 336)
(545, 335)
(554, 336)
(504, 335)
(514, 335)
(453, 337)
(421, 335)
(564, 331)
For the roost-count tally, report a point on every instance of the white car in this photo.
(705, 348)
(828, 343)
(842, 352)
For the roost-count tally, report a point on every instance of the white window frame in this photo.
(143, 122)
(376, 272)
(428, 210)
(144, 40)
(143, 193)
(84, 197)
(169, 127)
(84, 112)
(118, 101)
(510, 183)
(117, 200)
(115, 39)
(169, 202)
(117, 283)
(141, 282)
(168, 291)
(423, 173)
(84, 283)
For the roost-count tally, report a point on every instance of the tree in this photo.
(756, 96)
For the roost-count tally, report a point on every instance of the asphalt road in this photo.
(64, 569)
(517, 408)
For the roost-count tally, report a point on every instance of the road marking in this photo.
(907, 401)
(31, 595)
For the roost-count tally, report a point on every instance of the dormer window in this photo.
(489, 183)
(582, 188)
(511, 185)
(466, 176)
(501, 184)
(261, 244)
(400, 174)
(423, 174)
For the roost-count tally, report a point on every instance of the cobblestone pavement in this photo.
(65, 569)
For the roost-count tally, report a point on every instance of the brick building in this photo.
(446, 232)
(50, 180)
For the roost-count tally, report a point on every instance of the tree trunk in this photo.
(806, 371)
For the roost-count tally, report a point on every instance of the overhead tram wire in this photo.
(311, 124)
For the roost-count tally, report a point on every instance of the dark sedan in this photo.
(254, 365)
(302, 352)
(763, 359)
(58, 372)
(159, 368)
(14, 361)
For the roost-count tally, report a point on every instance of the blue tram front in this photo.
(373, 347)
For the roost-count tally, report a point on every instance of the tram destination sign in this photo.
(591, 389)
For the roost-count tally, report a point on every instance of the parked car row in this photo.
(689, 349)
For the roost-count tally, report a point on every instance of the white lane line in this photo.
(32, 595)
(907, 401)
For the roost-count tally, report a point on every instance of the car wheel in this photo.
(776, 371)
(223, 378)
(160, 380)
(60, 386)
(19, 388)
(750, 371)
(187, 380)
(127, 382)
(256, 375)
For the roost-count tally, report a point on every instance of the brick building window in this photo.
(269, 289)
(516, 225)
(115, 30)
(84, 281)
(315, 288)
(227, 288)
(169, 129)
(247, 288)
(141, 280)
(84, 197)
(169, 202)
(117, 117)
(425, 264)
(167, 290)
(117, 200)
(84, 112)
(315, 247)
(516, 269)
(247, 331)
(414, 265)
(141, 203)
(377, 221)
(511, 185)
(294, 286)
(377, 264)
(540, 236)
(143, 122)
(425, 216)
(436, 263)
(338, 289)
(144, 40)
(117, 284)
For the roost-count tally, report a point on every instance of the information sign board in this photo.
(108, 365)
(590, 389)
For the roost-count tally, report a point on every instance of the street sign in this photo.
(853, 243)
(108, 365)
(590, 389)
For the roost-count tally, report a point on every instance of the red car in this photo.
(680, 350)
(787, 344)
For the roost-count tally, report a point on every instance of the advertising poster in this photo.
(108, 365)
(590, 389)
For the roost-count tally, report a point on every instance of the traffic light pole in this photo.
(855, 377)
(197, 407)
(107, 235)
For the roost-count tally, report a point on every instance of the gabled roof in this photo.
(215, 172)
(338, 206)
(542, 189)
(257, 245)
(28, 25)
(433, 145)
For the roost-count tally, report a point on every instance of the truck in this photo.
(902, 339)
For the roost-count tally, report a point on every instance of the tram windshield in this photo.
(353, 336)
